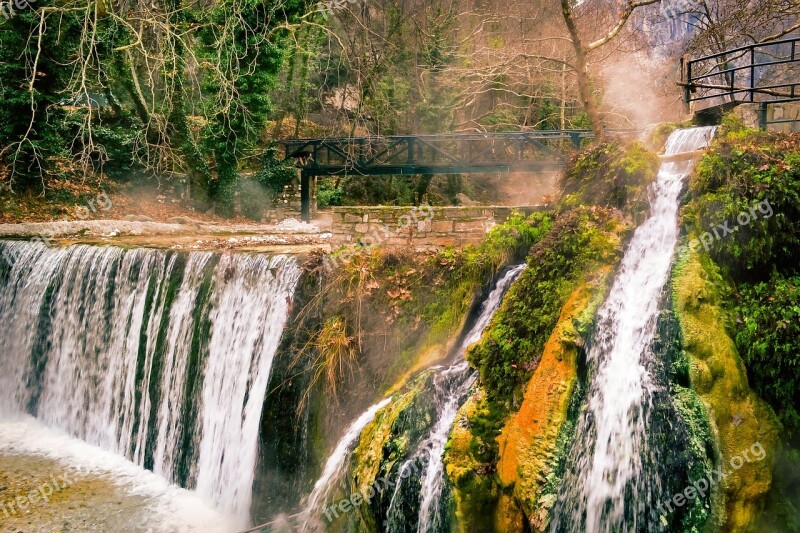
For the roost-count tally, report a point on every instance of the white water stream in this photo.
(451, 387)
(335, 468)
(608, 488)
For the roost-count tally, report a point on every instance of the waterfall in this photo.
(163, 358)
(611, 484)
(335, 467)
(452, 386)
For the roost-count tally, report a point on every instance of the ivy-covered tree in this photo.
(184, 89)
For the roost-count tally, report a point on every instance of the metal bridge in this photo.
(453, 153)
(765, 73)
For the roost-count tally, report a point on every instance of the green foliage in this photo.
(769, 342)
(610, 175)
(462, 271)
(512, 239)
(515, 339)
(378, 190)
(328, 195)
(756, 175)
(274, 173)
(99, 115)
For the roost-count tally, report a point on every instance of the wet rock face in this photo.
(42, 495)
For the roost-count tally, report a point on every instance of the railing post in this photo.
(410, 158)
(686, 78)
(762, 116)
(305, 195)
(575, 137)
(752, 74)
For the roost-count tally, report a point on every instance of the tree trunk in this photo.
(585, 89)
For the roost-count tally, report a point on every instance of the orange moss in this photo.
(508, 517)
(528, 441)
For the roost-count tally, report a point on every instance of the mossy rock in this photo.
(740, 419)
(610, 174)
(529, 443)
(480, 505)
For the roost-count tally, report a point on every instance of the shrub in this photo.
(744, 169)
(274, 173)
(610, 175)
(769, 342)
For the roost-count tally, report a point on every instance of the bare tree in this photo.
(583, 49)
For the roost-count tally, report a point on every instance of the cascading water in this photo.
(610, 483)
(335, 468)
(163, 358)
(451, 387)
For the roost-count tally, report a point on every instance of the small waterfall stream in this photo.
(611, 484)
(451, 387)
(335, 467)
(160, 357)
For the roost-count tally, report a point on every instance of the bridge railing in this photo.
(764, 72)
(452, 153)
(422, 153)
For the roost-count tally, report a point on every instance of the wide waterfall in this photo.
(161, 357)
(611, 483)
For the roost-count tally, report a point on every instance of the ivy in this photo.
(769, 342)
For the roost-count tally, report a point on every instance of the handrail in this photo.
(747, 47)
(726, 68)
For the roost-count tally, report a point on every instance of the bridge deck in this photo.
(454, 153)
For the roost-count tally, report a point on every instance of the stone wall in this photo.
(424, 226)
(288, 204)
(749, 113)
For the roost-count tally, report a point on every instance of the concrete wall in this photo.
(418, 227)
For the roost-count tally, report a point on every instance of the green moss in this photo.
(610, 175)
(769, 341)
(581, 241)
(699, 447)
(739, 418)
(749, 181)
(511, 346)
(383, 446)
(475, 493)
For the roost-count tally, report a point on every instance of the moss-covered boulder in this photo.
(529, 443)
(740, 419)
(566, 276)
